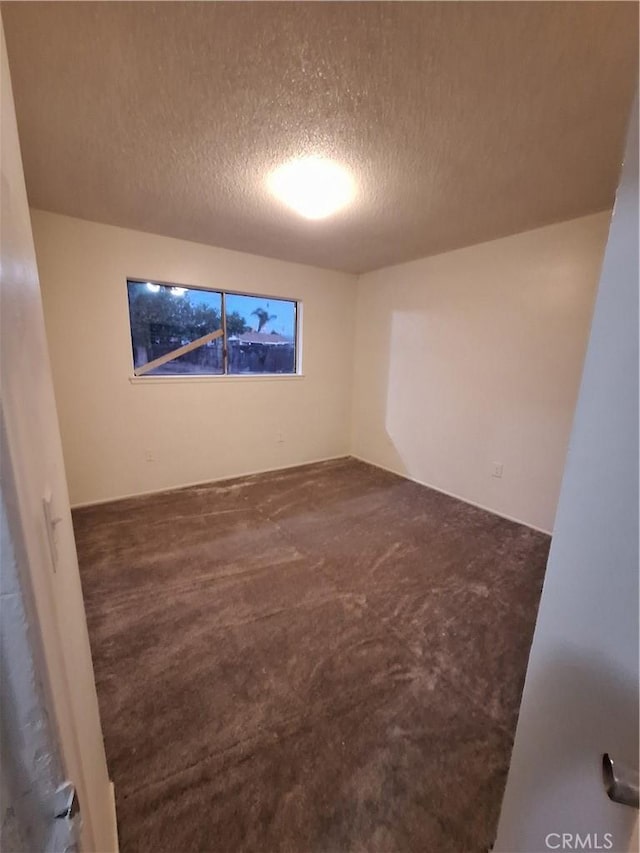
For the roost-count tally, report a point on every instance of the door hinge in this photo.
(65, 802)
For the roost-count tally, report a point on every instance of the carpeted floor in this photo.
(318, 660)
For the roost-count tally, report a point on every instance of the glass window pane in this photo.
(261, 334)
(164, 318)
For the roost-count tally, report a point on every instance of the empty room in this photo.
(319, 384)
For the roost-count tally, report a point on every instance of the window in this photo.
(180, 331)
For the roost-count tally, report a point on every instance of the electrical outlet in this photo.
(279, 437)
(149, 456)
(496, 470)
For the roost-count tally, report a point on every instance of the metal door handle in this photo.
(620, 782)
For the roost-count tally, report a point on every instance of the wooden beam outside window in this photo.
(176, 353)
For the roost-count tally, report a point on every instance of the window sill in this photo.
(235, 377)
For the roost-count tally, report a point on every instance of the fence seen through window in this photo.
(179, 331)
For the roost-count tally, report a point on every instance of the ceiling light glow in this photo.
(154, 288)
(315, 187)
(178, 291)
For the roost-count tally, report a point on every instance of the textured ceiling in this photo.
(461, 122)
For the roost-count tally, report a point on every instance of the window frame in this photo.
(225, 375)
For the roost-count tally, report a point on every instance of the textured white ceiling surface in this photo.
(460, 122)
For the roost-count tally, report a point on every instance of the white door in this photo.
(581, 693)
(33, 796)
(47, 563)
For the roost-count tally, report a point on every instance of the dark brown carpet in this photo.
(328, 658)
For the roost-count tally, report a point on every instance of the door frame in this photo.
(33, 469)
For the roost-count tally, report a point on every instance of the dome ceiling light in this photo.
(315, 187)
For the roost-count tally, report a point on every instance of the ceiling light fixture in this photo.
(315, 187)
(178, 291)
(154, 288)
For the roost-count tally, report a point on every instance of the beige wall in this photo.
(473, 357)
(461, 361)
(195, 429)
